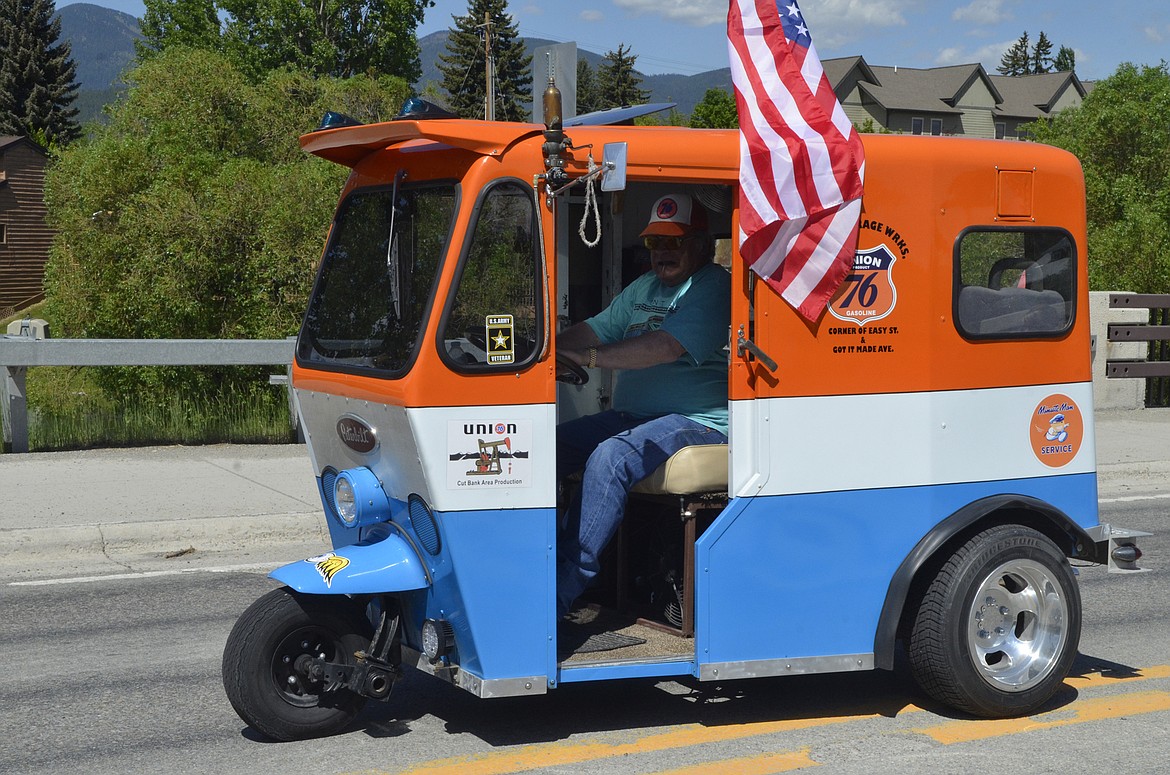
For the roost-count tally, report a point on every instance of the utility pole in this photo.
(490, 108)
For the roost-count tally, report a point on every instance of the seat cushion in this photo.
(692, 470)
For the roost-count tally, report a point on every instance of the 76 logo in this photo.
(868, 291)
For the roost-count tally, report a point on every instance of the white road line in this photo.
(147, 575)
(1133, 498)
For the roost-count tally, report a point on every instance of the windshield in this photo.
(377, 278)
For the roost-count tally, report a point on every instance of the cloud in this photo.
(837, 25)
(591, 16)
(1154, 34)
(950, 56)
(989, 55)
(856, 13)
(982, 12)
(839, 19)
(696, 13)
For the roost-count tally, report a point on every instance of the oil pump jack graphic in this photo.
(488, 462)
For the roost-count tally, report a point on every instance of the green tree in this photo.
(1120, 133)
(194, 213)
(588, 99)
(464, 65)
(335, 38)
(1040, 60)
(617, 81)
(1016, 60)
(1066, 60)
(715, 111)
(338, 38)
(37, 74)
(179, 23)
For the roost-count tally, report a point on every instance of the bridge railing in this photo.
(1155, 367)
(20, 353)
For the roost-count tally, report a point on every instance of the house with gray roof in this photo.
(955, 100)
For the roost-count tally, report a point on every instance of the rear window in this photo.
(1015, 283)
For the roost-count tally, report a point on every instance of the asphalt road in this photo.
(121, 675)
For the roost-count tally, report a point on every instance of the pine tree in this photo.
(1015, 59)
(588, 99)
(1041, 59)
(617, 81)
(1066, 60)
(37, 74)
(464, 66)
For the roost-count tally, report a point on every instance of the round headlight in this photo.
(346, 501)
(358, 498)
(438, 638)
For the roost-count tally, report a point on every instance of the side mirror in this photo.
(613, 161)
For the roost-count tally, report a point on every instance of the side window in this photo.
(494, 315)
(1015, 283)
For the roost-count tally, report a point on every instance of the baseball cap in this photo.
(675, 215)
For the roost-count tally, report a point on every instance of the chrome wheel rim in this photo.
(1017, 625)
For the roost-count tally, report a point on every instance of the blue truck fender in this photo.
(387, 564)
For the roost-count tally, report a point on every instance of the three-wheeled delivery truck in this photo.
(913, 470)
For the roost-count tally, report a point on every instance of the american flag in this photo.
(801, 161)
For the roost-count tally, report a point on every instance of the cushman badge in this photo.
(356, 434)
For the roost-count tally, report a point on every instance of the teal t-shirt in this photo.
(697, 313)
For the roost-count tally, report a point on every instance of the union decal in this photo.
(867, 293)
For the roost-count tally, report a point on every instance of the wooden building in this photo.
(25, 237)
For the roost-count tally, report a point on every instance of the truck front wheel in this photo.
(268, 663)
(998, 627)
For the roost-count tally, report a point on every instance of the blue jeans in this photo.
(617, 451)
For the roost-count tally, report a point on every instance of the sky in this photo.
(689, 36)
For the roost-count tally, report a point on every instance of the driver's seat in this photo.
(697, 477)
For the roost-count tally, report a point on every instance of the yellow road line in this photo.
(762, 764)
(535, 757)
(1082, 712)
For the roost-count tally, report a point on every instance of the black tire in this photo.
(998, 627)
(259, 663)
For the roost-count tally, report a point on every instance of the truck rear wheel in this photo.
(998, 627)
(268, 658)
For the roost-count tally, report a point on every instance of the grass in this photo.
(68, 411)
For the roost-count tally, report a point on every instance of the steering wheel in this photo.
(569, 372)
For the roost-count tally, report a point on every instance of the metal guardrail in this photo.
(19, 353)
(1155, 368)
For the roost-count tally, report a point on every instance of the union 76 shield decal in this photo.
(868, 292)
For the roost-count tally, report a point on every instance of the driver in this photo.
(667, 335)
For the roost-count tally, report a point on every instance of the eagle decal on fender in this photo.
(328, 565)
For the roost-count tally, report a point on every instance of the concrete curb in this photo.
(161, 544)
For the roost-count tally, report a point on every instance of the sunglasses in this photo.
(660, 242)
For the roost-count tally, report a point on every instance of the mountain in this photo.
(686, 90)
(102, 42)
